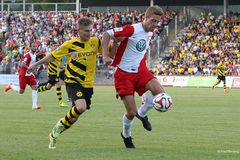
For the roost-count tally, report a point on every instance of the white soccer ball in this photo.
(162, 102)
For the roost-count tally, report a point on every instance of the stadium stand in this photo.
(201, 45)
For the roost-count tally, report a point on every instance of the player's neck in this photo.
(144, 27)
(82, 39)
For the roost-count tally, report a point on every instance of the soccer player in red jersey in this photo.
(26, 78)
(132, 74)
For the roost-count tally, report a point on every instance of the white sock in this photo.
(34, 98)
(142, 111)
(15, 88)
(127, 126)
(143, 98)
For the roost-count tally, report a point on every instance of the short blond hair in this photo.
(154, 10)
(85, 21)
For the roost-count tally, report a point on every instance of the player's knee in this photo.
(131, 114)
(49, 86)
(81, 108)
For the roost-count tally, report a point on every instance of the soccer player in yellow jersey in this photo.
(54, 76)
(221, 72)
(79, 74)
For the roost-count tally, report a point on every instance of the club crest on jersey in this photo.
(74, 55)
(92, 45)
(141, 45)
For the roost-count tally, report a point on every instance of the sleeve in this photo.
(219, 65)
(26, 59)
(125, 31)
(64, 50)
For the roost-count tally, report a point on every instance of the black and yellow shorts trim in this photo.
(77, 91)
(222, 78)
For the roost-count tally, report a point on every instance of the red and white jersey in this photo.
(131, 53)
(28, 59)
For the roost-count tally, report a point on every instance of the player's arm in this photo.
(47, 59)
(105, 43)
(122, 32)
(58, 53)
(22, 64)
(114, 46)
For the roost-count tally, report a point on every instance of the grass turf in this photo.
(202, 124)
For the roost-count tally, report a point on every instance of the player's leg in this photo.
(31, 81)
(19, 89)
(52, 80)
(82, 99)
(216, 83)
(225, 90)
(131, 109)
(42, 86)
(125, 90)
(142, 111)
(59, 94)
(147, 82)
(16, 88)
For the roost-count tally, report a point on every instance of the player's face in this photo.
(33, 48)
(151, 22)
(84, 32)
(54, 46)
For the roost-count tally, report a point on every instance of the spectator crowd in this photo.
(19, 29)
(201, 45)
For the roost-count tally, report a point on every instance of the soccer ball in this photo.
(162, 102)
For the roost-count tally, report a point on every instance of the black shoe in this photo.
(146, 124)
(127, 141)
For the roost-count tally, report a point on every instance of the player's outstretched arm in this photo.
(105, 42)
(47, 59)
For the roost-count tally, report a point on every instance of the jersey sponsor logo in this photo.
(86, 54)
(79, 94)
(141, 45)
(118, 29)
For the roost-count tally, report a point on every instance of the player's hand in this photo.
(31, 68)
(118, 39)
(107, 60)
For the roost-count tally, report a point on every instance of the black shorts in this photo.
(53, 79)
(222, 78)
(77, 91)
(62, 74)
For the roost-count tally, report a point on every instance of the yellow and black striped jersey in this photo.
(221, 69)
(54, 67)
(82, 64)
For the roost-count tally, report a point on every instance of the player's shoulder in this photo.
(74, 39)
(138, 29)
(94, 39)
(95, 42)
(27, 55)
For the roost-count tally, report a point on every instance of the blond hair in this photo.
(85, 21)
(153, 10)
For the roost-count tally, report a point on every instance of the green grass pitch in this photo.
(202, 125)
